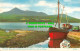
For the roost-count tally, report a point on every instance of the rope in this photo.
(57, 19)
(66, 18)
(62, 14)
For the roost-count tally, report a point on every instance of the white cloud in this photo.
(67, 0)
(44, 3)
(4, 10)
(72, 1)
(7, 6)
(51, 8)
(71, 10)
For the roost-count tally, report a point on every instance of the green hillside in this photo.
(21, 18)
(16, 15)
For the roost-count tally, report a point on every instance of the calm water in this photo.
(23, 26)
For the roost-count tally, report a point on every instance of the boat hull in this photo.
(56, 38)
(57, 35)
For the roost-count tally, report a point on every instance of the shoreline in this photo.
(33, 21)
(12, 22)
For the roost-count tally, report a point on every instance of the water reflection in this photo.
(47, 44)
(40, 45)
(54, 43)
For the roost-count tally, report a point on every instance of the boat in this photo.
(75, 28)
(57, 34)
(67, 25)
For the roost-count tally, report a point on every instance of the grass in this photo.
(24, 41)
(5, 36)
(25, 18)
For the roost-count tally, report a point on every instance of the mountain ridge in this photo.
(21, 12)
(17, 15)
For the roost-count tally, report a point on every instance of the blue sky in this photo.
(72, 7)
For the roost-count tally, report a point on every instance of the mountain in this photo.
(16, 11)
(17, 15)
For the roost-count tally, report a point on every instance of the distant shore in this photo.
(12, 22)
(25, 22)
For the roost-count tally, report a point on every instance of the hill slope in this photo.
(16, 11)
(17, 15)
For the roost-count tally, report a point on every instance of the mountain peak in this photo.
(16, 9)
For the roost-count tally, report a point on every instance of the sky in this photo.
(71, 7)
